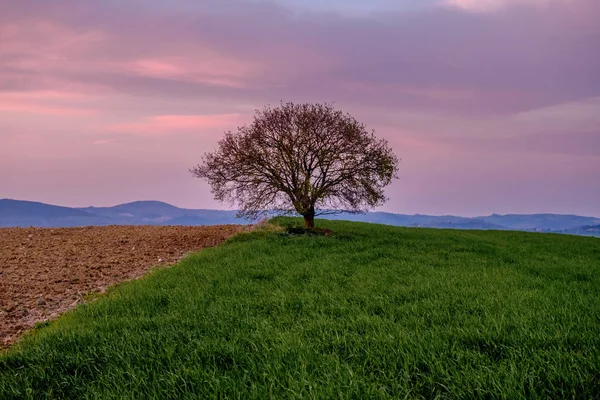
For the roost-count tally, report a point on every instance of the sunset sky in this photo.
(492, 105)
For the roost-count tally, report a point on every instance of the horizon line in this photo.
(341, 212)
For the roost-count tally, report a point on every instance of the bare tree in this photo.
(306, 158)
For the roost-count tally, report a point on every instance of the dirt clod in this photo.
(45, 272)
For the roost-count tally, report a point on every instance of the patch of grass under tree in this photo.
(370, 311)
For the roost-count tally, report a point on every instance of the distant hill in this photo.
(159, 213)
(12, 208)
(585, 230)
(143, 210)
(545, 222)
(556, 223)
(28, 213)
(423, 221)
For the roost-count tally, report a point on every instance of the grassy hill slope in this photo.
(371, 312)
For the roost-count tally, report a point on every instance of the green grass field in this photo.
(370, 312)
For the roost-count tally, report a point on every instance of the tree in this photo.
(306, 158)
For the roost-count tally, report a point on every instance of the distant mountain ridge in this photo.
(30, 213)
(14, 213)
(551, 223)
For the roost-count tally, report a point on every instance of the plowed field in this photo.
(44, 272)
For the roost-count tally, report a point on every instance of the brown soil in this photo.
(45, 272)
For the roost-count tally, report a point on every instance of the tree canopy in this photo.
(310, 159)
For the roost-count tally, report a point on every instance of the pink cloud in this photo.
(44, 102)
(102, 142)
(34, 44)
(43, 53)
(495, 5)
(39, 109)
(205, 67)
(165, 124)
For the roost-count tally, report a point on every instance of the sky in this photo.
(492, 105)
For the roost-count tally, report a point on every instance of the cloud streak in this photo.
(105, 141)
(43, 102)
(169, 124)
(491, 6)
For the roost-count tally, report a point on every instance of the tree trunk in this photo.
(309, 221)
